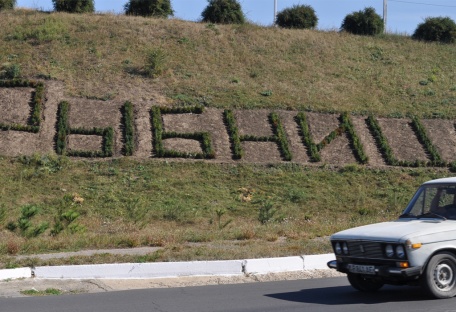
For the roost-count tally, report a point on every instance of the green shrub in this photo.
(157, 130)
(421, 133)
(381, 141)
(233, 133)
(24, 223)
(17, 84)
(108, 142)
(28, 211)
(7, 4)
(198, 109)
(128, 128)
(10, 71)
(70, 215)
(37, 230)
(74, 6)
(298, 16)
(331, 137)
(37, 101)
(280, 136)
(223, 12)
(146, 8)
(63, 128)
(355, 141)
(365, 22)
(441, 29)
(266, 212)
(312, 149)
(155, 63)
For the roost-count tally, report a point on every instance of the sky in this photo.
(403, 17)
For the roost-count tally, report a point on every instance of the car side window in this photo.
(424, 201)
(432, 199)
(444, 203)
(446, 198)
(435, 199)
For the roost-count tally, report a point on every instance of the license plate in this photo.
(361, 269)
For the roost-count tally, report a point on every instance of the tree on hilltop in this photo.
(74, 6)
(441, 29)
(147, 8)
(298, 16)
(365, 22)
(223, 12)
(7, 4)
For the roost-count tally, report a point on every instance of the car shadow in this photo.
(346, 295)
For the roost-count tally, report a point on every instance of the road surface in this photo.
(326, 294)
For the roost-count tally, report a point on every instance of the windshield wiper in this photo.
(431, 214)
(407, 215)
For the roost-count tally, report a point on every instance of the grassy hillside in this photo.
(106, 57)
(192, 210)
(209, 211)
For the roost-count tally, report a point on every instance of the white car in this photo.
(419, 248)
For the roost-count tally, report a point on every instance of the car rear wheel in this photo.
(364, 284)
(439, 278)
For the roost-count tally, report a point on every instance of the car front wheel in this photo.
(361, 283)
(439, 279)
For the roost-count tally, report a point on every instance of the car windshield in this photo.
(433, 201)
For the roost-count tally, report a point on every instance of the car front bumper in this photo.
(381, 270)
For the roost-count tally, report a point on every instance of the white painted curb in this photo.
(173, 269)
(273, 265)
(15, 273)
(317, 262)
(141, 270)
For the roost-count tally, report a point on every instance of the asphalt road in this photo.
(327, 294)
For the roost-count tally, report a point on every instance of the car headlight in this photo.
(400, 252)
(345, 248)
(389, 251)
(338, 248)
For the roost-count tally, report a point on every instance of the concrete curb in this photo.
(273, 265)
(141, 270)
(15, 273)
(173, 269)
(317, 262)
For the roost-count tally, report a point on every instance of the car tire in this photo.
(363, 284)
(439, 278)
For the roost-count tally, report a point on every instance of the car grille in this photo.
(365, 249)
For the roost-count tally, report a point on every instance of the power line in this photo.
(421, 3)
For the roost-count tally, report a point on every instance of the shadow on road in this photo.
(346, 295)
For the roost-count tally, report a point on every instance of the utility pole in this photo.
(385, 13)
(275, 12)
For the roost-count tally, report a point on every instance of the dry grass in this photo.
(105, 56)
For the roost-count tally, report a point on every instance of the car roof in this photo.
(441, 181)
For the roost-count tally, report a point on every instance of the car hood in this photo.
(399, 230)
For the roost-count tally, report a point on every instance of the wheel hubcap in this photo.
(443, 276)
